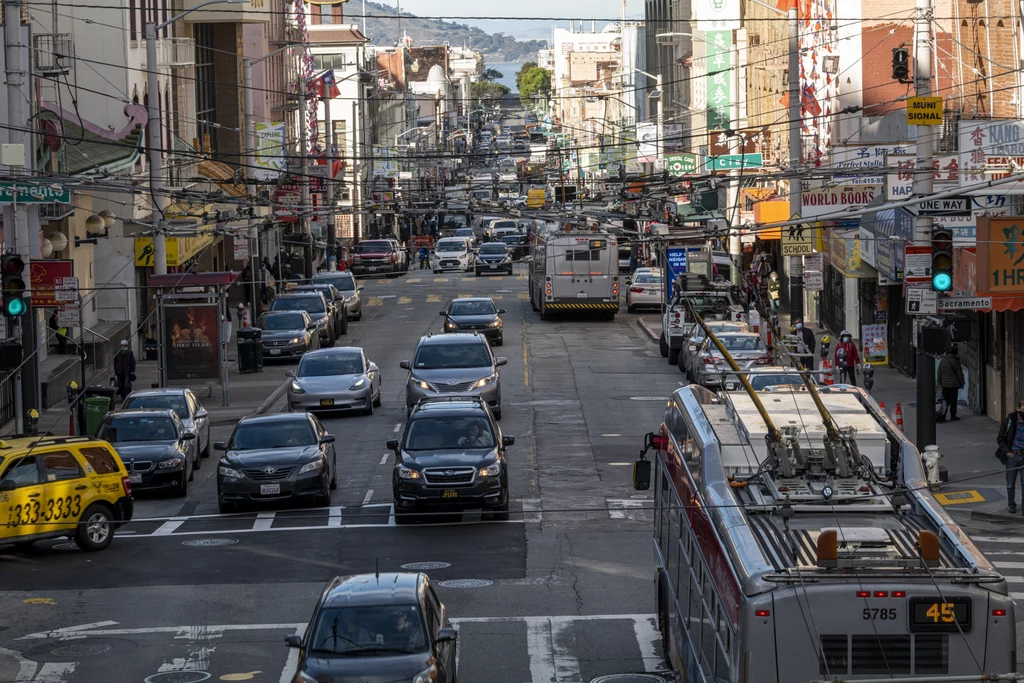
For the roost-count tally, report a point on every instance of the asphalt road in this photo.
(561, 592)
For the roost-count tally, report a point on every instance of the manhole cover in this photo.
(80, 650)
(65, 546)
(630, 678)
(209, 542)
(465, 583)
(178, 677)
(425, 566)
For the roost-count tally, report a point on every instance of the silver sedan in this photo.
(335, 379)
(645, 290)
(746, 348)
(690, 346)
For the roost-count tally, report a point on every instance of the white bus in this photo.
(574, 270)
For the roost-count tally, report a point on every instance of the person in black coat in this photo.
(806, 335)
(124, 369)
(1011, 452)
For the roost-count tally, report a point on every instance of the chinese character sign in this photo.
(990, 150)
(719, 66)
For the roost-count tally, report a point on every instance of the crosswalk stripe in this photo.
(464, 296)
(404, 300)
(433, 298)
(413, 280)
(440, 279)
(542, 657)
(647, 637)
(524, 296)
(264, 521)
(496, 278)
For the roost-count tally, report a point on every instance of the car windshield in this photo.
(709, 300)
(498, 225)
(368, 631)
(761, 380)
(251, 436)
(718, 328)
(121, 429)
(647, 279)
(160, 402)
(310, 304)
(457, 246)
(328, 364)
(288, 321)
(493, 248)
(371, 247)
(472, 308)
(343, 281)
(511, 239)
(464, 355)
(464, 232)
(737, 342)
(448, 433)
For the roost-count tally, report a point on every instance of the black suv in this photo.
(451, 455)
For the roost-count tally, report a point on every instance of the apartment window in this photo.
(165, 15)
(206, 102)
(328, 14)
(143, 16)
(133, 21)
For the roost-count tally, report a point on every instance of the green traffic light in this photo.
(941, 282)
(16, 307)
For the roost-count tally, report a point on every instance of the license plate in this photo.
(270, 489)
(581, 295)
(326, 402)
(493, 267)
(449, 494)
(275, 352)
(373, 269)
(135, 478)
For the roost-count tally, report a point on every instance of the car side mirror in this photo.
(446, 635)
(500, 360)
(444, 313)
(293, 640)
(404, 365)
(188, 436)
(200, 414)
(309, 328)
(360, 288)
(373, 367)
(642, 474)
(507, 441)
(500, 311)
(393, 444)
(289, 373)
(327, 438)
(220, 446)
(8, 485)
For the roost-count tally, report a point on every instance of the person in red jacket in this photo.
(847, 360)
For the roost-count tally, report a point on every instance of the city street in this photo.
(560, 592)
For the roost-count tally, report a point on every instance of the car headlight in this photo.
(420, 384)
(359, 383)
(306, 678)
(296, 388)
(495, 323)
(297, 340)
(171, 463)
(314, 466)
(450, 326)
(407, 473)
(229, 473)
(491, 470)
(485, 381)
(427, 675)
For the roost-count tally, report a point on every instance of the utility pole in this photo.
(156, 160)
(304, 227)
(659, 81)
(357, 216)
(250, 174)
(796, 263)
(328, 220)
(923, 224)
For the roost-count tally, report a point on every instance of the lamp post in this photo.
(658, 93)
(156, 170)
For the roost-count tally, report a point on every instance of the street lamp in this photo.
(156, 171)
(657, 93)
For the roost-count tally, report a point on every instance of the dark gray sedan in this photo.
(277, 458)
(157, 451)
(186, 406)
(288, 334)
(475, 314)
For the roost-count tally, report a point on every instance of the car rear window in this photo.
(372, 247)
(462, 355)
(310, 304)
(343, 281)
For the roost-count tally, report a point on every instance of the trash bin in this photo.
(250, 349)
(91, 411)
(152, 350)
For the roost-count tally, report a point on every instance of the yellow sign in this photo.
(179, 249)
(797, 240)
(924, 111)
(535, 198)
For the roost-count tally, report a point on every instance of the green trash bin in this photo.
(96, 408)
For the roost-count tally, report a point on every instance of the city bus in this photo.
(796, 540)
(574, 270)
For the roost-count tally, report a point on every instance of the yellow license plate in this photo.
(326, 402)
(449, 494)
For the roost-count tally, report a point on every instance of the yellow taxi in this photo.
(62, 486)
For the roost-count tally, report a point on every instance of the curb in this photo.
(646, 328)
(273, 398)
(1005, 517)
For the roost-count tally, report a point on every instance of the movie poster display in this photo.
(192, 335)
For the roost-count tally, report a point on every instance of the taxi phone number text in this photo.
(54, 509)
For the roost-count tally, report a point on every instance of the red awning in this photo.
(1006, 302)
(192, 279)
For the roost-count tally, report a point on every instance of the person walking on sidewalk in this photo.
(951, 379)
(1011, 452)
(773, 292)
(124, 369)
(806, 335)
(847, 360)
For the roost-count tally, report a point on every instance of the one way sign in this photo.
(949, 206)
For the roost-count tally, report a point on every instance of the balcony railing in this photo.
(53, 53)
(176, 52)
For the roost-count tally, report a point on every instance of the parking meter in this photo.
(869, 376)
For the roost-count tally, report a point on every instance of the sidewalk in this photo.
(250, 393)
(977, 484)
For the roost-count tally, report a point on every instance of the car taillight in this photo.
(127, 484)
(764, 360)
(677, 315)
(637, 290)
(708, 360)
(392, 258)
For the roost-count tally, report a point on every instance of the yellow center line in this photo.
(413, 280)
(374, 301)
(465, 296)
(388, 281)
(526, 359)
(404, 300)
(440, 279)
(525, 296)
(433, 298)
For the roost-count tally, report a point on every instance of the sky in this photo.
(514, 12)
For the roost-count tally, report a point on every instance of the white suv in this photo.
(453, 253)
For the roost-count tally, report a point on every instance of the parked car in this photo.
(645, 291)
(376, 257)
(493, 257)
(697, 336)
(453, 253)
(478, 314)
(335, 379)
(451, 454)
(377, 627)
(346, 283)
(184, 403)
(454, 364)
(335, 299)
(274, 458)
(746, 348)
(403, 253)
(288, 334)
(518, 246)
(156, 449)
(316, 305)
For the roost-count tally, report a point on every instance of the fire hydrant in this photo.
(931, 457)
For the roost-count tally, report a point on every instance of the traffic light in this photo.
(900, 64)
(942, 259)
(11, 355)
(12, 273)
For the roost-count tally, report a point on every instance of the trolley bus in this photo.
(574, 270)
(796, 540)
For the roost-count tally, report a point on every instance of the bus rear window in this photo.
(582, 254)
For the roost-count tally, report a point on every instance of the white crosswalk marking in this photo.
(55, 672)
(334, 520)
(532, 510)
(264, 521)
(624, 508)
(199, 647)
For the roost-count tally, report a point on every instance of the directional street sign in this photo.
(950, 206)
(735, 162)
(31, 193)
(922, 301)
(965, 303)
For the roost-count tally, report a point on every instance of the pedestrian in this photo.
(847, 360)
(773, 292)
(1011, 452)
(951, 379)
(806, 335)
(124, 369)
(60, 332)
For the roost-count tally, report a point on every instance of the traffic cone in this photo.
(826, 371)
(899, 416)
(246, 318)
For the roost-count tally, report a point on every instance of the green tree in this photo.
(528, 66)
(492, 75)
(489, 93)
(534, 84)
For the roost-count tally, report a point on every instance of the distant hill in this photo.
(496, 47)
